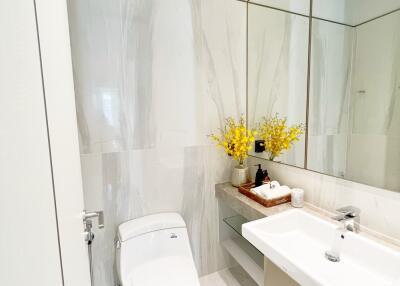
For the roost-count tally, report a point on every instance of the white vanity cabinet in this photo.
(234, 210)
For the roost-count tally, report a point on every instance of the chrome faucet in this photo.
(350, 216)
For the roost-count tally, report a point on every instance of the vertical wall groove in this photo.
(308, 84)
(48, 140)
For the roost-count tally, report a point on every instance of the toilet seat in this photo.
(170, 271)
(155, 251)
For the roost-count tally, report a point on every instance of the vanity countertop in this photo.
(252, 210)
(245, 206)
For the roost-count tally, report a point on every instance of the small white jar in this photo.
(297, 198)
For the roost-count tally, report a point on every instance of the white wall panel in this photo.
(29, 252)
(63, 133)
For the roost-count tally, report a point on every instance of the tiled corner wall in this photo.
(153, 78)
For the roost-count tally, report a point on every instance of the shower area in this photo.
(152, 79)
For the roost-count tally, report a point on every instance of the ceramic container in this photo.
(297, 198)
(240, 175)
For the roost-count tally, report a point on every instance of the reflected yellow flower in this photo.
(278, 136)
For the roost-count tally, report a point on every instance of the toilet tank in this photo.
(155, 250)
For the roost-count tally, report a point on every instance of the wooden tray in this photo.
(245, 190)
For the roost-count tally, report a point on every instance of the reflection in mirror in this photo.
(330, 89)
(354, 121)
(296, 6)
(277, 72)
(352, 12)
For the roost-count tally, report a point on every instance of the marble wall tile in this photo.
(277, 71)
(328, 154)
(364, 165)
(153, 78)
(331, 71)
(375, 78)
(296, 6)
(330, 97)
(391, 167)
(204, 166)
(354, 99)
(131, 184)
(128, 76)
(127, 185)
(375, 113)
(352, 12)
(220, 48)
(374, 160)
(340, 11)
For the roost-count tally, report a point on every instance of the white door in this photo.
(41, 199)
(29, 251)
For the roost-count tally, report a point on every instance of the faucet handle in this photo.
(349, 211)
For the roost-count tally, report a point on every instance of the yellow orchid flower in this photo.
(235, 138)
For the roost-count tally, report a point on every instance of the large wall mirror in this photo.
(347, 70)
(277, 72)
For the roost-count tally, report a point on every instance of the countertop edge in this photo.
(252, 210)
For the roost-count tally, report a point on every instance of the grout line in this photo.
(378, 17)
(247, 66)
(308, 85)
(278, 9)
(318, 18)
(333, 22)
(49, 143)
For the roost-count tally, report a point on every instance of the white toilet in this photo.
(154, 250)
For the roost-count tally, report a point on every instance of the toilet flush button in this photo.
(173, 235)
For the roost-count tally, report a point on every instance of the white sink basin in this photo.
(296, 241)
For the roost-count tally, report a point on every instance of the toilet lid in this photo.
(165, 271)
